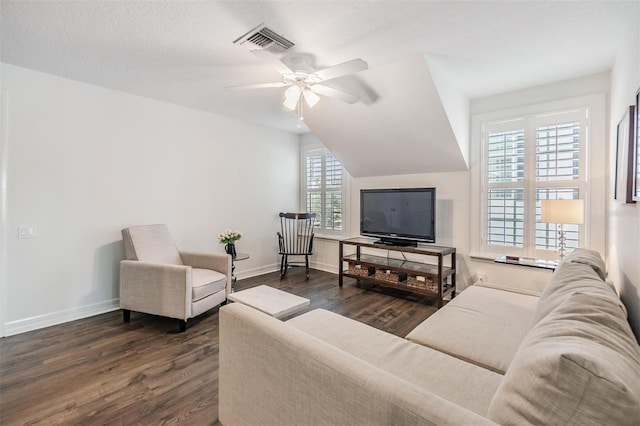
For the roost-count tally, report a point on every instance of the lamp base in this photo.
(562, 242)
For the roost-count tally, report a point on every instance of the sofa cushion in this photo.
(205, 282)
(580, 365)
(481, 325)
(460, 382)
(567, 279)
(588, 257)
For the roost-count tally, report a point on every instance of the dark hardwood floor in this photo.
(99, 370)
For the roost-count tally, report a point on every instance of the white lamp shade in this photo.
(563, 211)
(291, 97)
(310, 97)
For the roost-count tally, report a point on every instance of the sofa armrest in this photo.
(159, 289)
(273, 373)
(215, 261)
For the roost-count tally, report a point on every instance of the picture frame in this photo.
(636, 163)
(625, 157)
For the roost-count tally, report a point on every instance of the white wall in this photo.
(455, 103)
(623, 244)
(596, 83)
(84, 162)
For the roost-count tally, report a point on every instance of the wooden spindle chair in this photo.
(295, 239)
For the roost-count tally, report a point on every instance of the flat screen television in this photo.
(402, 216)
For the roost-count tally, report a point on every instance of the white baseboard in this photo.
(326, 267)
(254, 272)
(53, 318)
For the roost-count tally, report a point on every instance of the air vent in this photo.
(262, 38)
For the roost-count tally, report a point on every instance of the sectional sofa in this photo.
(490, 356)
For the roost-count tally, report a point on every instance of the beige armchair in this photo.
(158, 279)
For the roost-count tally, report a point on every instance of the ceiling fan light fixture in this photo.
(310, 97)
(291, 97)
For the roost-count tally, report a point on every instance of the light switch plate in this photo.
(27, 231)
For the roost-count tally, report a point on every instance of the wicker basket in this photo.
(359, 270)
(390, 276)
(424, 282)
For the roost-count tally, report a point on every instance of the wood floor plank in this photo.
(100, 370)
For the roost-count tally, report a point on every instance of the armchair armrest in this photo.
(214, 261)
(159, 289)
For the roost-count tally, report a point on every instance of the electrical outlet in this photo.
(27, 231)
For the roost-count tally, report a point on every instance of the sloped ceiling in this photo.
(406, 129)
(426, 59)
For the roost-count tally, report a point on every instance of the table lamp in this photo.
(562, 212)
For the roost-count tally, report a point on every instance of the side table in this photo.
(238, 257)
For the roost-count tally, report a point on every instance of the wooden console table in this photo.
(438, 280)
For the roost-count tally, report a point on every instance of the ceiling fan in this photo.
(304, 82)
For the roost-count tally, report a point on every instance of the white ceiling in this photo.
(407, 130)
(182, 51)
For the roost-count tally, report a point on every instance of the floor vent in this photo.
(262, 38)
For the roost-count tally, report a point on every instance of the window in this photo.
(524, 161)
(323, 190)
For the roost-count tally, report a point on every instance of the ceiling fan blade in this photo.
(330, 92)
(275, 63)
(257, 86)
(344, 68)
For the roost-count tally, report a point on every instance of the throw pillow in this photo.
(578, 366)
(588, 257)
(566, 280)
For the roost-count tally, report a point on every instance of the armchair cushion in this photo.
(206, 282)
(212, 261)
(150, 243)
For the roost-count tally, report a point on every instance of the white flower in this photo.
(229, 236)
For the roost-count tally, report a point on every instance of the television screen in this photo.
(398, 216)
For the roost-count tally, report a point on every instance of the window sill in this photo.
(522, 262)
(330, 237)
(483, 256)
(529, 262)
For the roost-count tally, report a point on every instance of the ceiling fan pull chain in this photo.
(300, 106)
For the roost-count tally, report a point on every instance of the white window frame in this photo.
(321, 231)
(592, 184)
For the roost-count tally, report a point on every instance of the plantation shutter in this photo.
(558, 156)
(314, 184)
(505, 181)
(324, 193)
(526, 161)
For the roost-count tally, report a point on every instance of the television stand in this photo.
(436, 280)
